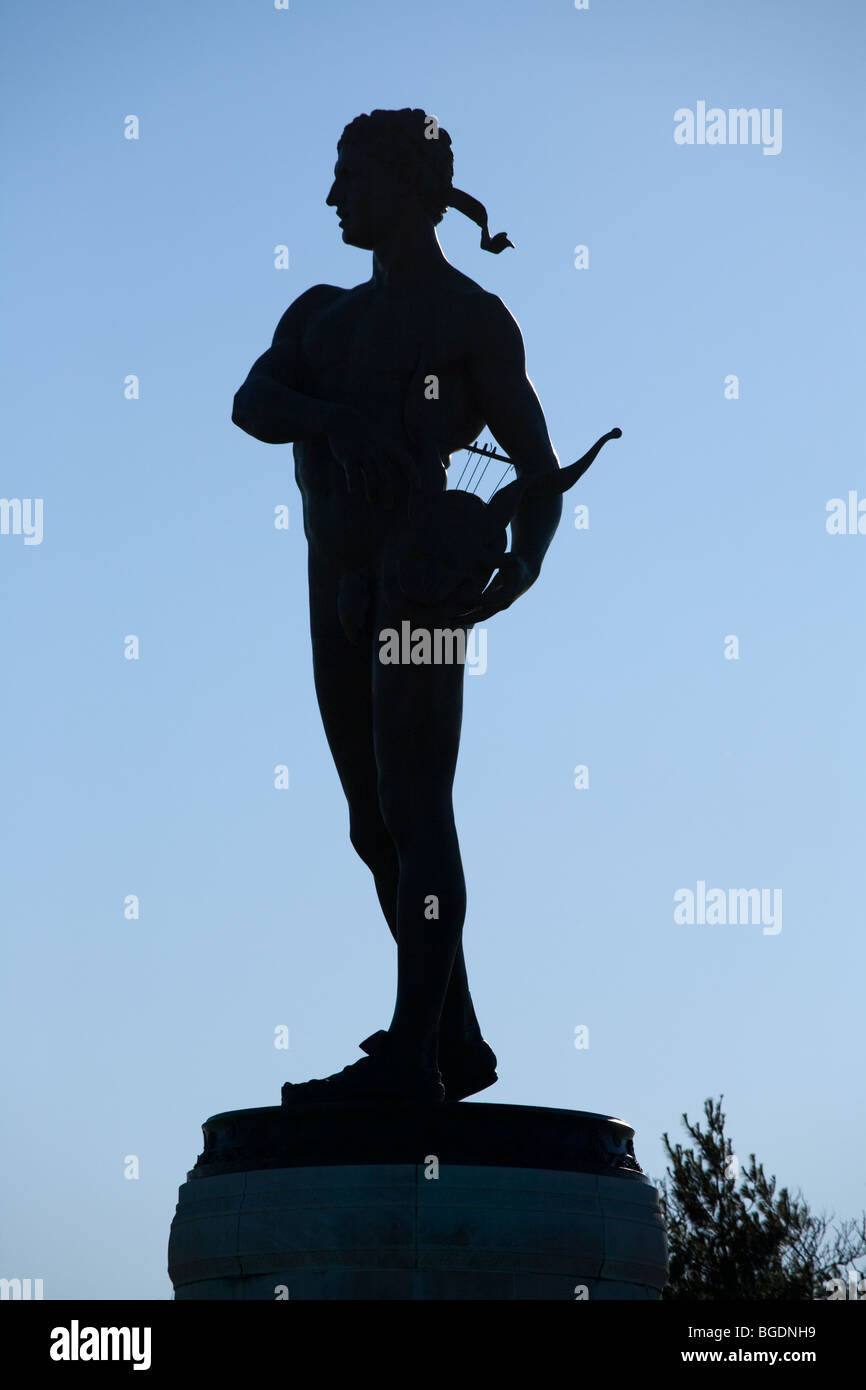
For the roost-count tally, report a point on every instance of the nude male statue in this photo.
(347, 380)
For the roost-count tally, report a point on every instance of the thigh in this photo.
(417, 708)
(343, 679)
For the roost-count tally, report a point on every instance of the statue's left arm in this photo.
(507, 401)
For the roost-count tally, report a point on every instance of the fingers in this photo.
(375, 462)
(505, 588)
(482, 614)
(388, 455)
(495, 598)
(353, 475)
(364, 473)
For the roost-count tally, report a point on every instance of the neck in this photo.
(409, 255)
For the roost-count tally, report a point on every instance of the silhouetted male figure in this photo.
(376, 386)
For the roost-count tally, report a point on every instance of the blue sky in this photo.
(154, 777)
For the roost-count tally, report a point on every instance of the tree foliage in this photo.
(731, 1235)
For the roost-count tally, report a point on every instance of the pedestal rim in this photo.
(480, 1134)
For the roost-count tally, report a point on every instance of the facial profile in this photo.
(368, 196)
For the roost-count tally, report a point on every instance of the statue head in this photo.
(387, 163)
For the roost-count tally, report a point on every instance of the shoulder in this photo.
(495, 330)
(305, 307)
(491, 321)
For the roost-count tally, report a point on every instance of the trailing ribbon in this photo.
(477, 212)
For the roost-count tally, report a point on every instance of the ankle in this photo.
(458, 1039)
(414, 1051)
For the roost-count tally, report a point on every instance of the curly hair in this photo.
(414, 146)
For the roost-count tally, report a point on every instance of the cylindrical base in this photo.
(435, 1228)
(379, 1232)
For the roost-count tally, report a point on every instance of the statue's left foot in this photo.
(383, 1079)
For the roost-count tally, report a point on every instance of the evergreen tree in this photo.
(732, 1236)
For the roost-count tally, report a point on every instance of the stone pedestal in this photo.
(467, 1201)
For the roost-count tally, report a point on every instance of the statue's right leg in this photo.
(342, 671)
(343, 679)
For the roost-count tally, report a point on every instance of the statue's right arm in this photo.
(268, 406)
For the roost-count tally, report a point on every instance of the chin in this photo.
(354, 237)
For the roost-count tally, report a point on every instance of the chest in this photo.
(360, 337)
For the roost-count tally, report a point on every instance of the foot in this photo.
(468, 1069)
(379, 1079)
(465, 1070)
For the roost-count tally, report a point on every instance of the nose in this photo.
(331, 201)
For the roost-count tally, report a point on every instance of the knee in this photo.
(370, 838)
(413, 812)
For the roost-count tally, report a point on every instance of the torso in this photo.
(376, 351)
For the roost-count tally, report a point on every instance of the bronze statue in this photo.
(376, 387)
